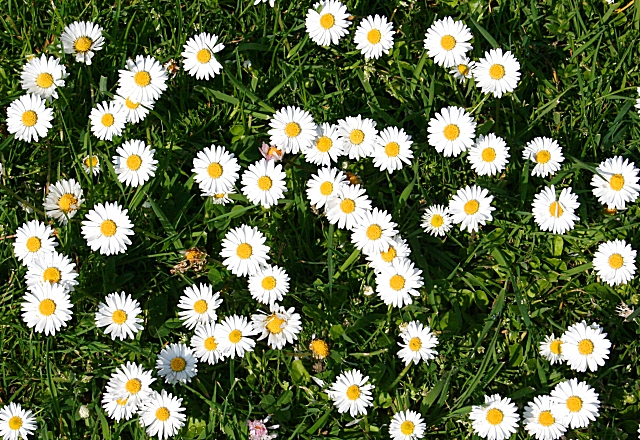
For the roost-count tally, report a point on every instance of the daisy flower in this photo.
(271, 153)
(204, 344)
(143, 79)
(392, 149)
(82, 38)
(199, 60)
(327, 147)
(47, 308)
(585, 346)
(52, 268)
(615, 262)
(107, 120)
(555, 214)
(398, 249)
(281, 326)
(136, 111)
(576, 403)
(91, 164)
(324, 185)
(177, 364)
(374, 36)
(541, 419)
(375, 232)
(198, 304)
(63, 200)
(16, 422)
(463, 70)
(117, 407)
(216, 170)
(350, 392)
(244, 251)
(132, 383)
(327, 22)
(615, 182)
(497, 419)
(42, 76)
(497, 72)
(417, 343)
(447, 41)
(471, 207)
(269, 284)
(319, 348)
(347, 208)
(546, 153)
(33, 240)
(106, 228)
(358, 136)
(451, 131)
(436, 220)
(551, 349)
(264, 183)
(118, 313)
(489, 155)
(292, 129)
(397, 283)
(407, 425)
(162, 415)
(232, 335)
(134, 164)
(28, 118)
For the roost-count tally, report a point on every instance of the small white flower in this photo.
(107, 228)
(327, 146)
(327, 22)
(615, 262)
(177, 364)
(199, 60)
(119, 314)
(63, 200)
(324, 185)
(392, 150)
(497, 419)
(33, 240)
(269, 284)
(542, 420)
(216, 170)
(136, 111)
(497, 72)
(615, 182)
(134, 164)
(233, 336)
(436, 220)
(585, 346)
(374, 36)
(555, 214)
(451, 131)
(281, 326)
(358, 136)
(16, 422)
(82, 38)
(204, 344)
(417, 344)
(576, 403)
(551, 349)
(199, 305)
(42, 76)
(47, 308)
(162, 415)
(489, 155)
(407, 425)
(447, 41)
(398, 282)
(292, 129)
(471, 207)
(547, 155)
(28, 118)
(244, 251)
(347, 207)
(143, 79)
(107, 120)
(264, 183)
(52, 268)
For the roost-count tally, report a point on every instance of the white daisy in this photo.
(350, 392)
(347, 207)
(281, 326)
(546, 153)
(358, 136)
(489, 155)
(407, 425)
(327, 22)
(119, 314)
(324, 185)
(264, 183)
(33, 240)
(497, 72)
(63, 200)
(398, 282)
(132, 383)
(585, 346)
(91, 164)
(42, 76)
(47, 308)
(463, 70)
(233, 336)
(162, 415)
(615, 182)
(177, 364)
(471, 207)
(327, 146)
(447, 41)
(398, 249)
(199, 60)
(374, 36)
(136, 111)
(117, 407)
(451, 131)
(615, 262)
(82, 38)
(134, 163)
(436, 220)
(216, 170)
(541, 419)
(222, 198)
(375, 232)
(292, 129)
(417, 344)
(392, 149)
(52, 268)
(244, 251)
(107, 120)
(576, 403)
(106, 228)
(551, 349)
(205, 345)
(269, 284)
(497, 419)
(555, 214)
(143, 79)
(16, 422)
(28, 118)
(198, 304)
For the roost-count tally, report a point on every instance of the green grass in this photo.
(492, 297)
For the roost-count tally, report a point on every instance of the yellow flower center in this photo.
(200, 306)
(265, 183)
(82, 44)
(219, 196)
(210, 343)
(415, 344)
(494, 416)
(496, 71)
(348, 206)
(448, 42)
(268, 283)
(134, 162)
(244, 251)
(51, 274)
(178, 364)
(91, 161)
(324, 144)
(326, 188)
(133, 386)
(488, 154)
(543, 156)
(235, 336)
(389, 255)
(392, 149)
(451, 132)
(556, 210)
(274, 324)
(437, 220)
(356, 136)
(122, 402)
(203, 56)
(463, 69)
(119, 317)
(162, 414)
(556, 347)
(29, 118)
(471, 207)
(616, 182)
(546, 419)
(585, 347)
(292, 129)
(142, 78)
(214, 170)
(33, 244)
(319, 348)
(130, 104)
(407, 427)
(327, 21)
(107, 120)
(374, 36)
(616, 261)
(397, 282)
(44, 80)
(374, 232)
(67, 203)
(108, 228)
(47, 307)
(273, 151)
(574, 403)
(353, 392)
(15, 423)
